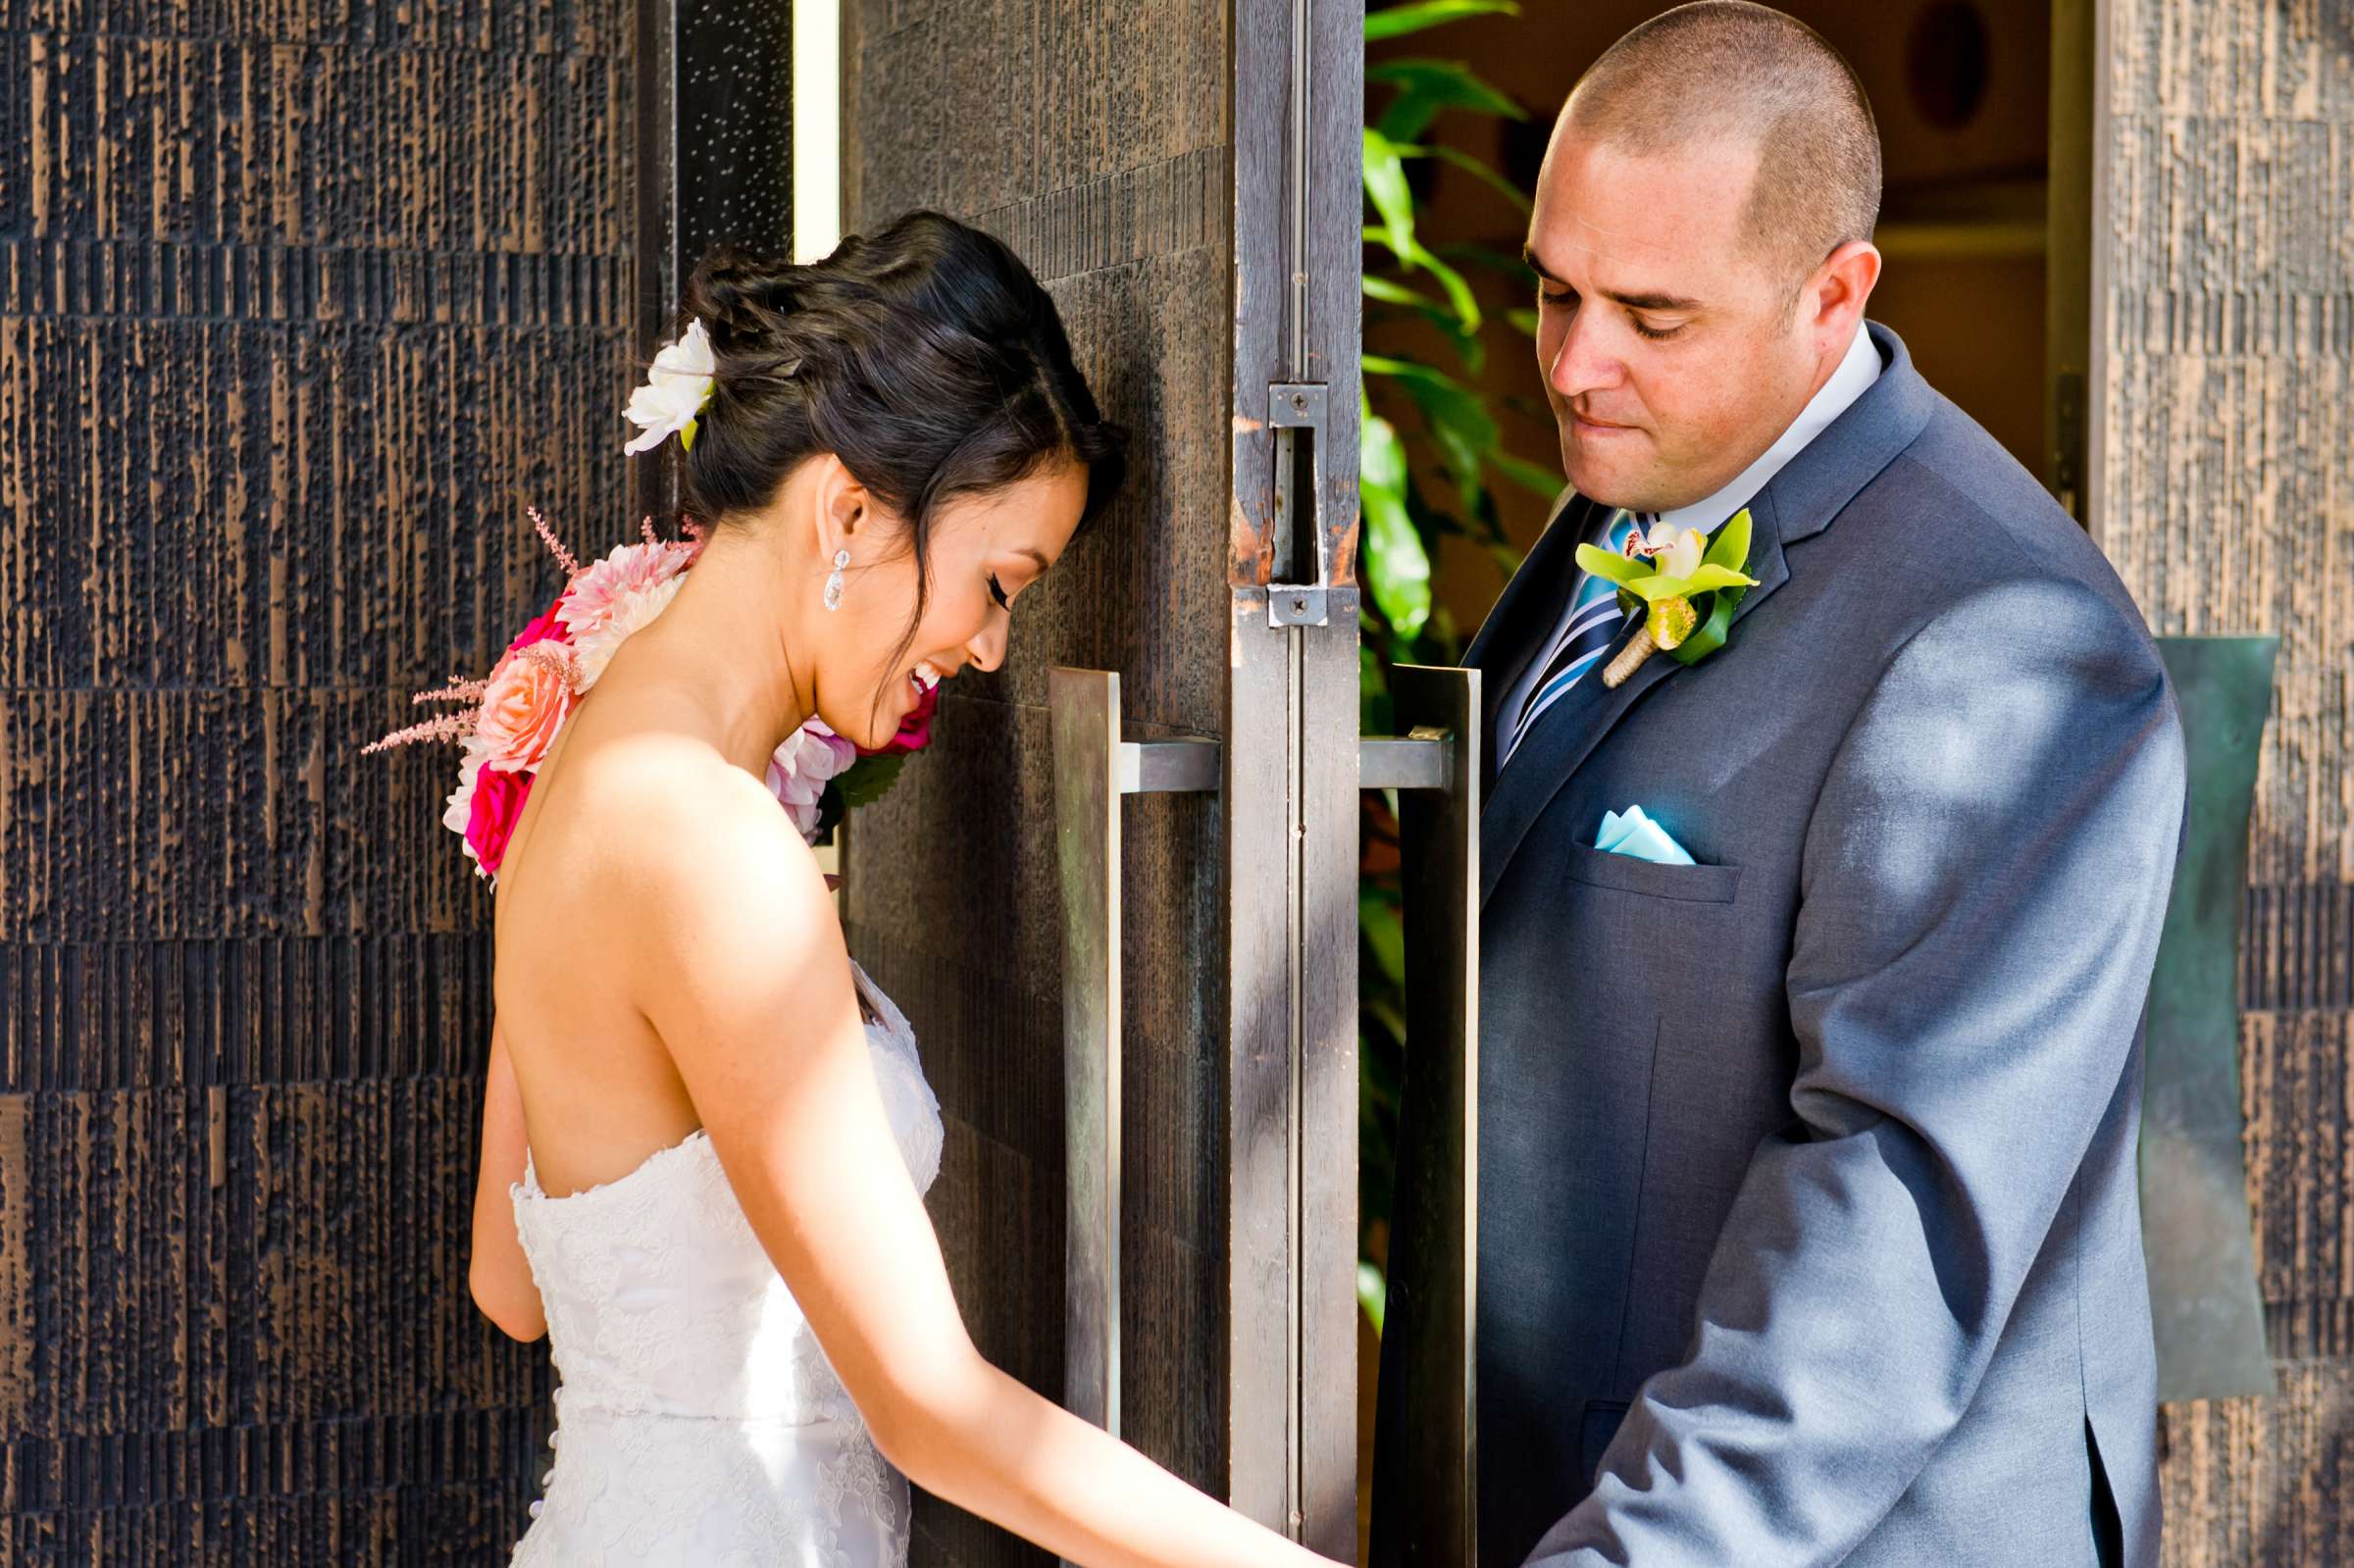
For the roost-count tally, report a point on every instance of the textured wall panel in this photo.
(1092, 139)
(2228, 317)
(299, 303)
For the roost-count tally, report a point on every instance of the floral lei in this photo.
(511, 717)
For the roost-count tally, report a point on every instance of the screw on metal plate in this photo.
(1296, 607)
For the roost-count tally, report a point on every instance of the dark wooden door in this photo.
(1183, 176)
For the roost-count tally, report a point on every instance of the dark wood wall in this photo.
(1093, 139)
(299, 303)
(2226, 418)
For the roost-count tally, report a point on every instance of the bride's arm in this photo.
(499, 1273)
(749, 987)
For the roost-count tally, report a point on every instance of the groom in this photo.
(1808, 1227)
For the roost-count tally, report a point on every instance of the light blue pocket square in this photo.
(1636, 834)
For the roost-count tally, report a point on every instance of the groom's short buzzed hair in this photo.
(1720, 69)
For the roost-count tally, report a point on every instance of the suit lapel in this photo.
(1529, 608)
(1569, 731)
(1799, 503)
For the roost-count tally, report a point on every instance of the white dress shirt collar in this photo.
(1858, 368)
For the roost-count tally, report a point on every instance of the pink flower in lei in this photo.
(611, 598)
(800, 768)
(530, 694)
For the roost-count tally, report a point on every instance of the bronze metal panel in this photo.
(298, 304)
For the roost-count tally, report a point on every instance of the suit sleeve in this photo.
(1983, 880)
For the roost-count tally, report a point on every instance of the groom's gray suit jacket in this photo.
(1808, 1224)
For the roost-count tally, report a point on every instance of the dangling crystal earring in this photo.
(842, 558)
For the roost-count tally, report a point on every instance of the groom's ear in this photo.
(1841, 288)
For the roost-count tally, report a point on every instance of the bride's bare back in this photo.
(601, 1091)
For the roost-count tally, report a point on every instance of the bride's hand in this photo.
(756, 1007)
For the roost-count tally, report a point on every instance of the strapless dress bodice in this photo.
(698, 1421)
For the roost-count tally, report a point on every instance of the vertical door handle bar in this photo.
(1426, 1495)
(1093, 769)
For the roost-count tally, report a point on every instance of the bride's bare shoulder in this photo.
(721, 896)
(691, 835)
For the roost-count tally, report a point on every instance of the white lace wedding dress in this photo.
(700, 1425)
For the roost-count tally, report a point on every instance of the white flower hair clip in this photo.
(676, 387)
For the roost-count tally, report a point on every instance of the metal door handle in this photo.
(1093, 769)
(1425, 1497)
(1425, 1510)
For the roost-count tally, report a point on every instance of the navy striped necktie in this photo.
(1585, 634)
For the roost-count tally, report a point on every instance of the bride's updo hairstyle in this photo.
(924, 355)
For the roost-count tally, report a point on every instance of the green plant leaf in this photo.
(1451, 81)
(1467, 347)
(1386, 189)
(1412, 254)
(1488, 258)
(1373, 680)
(1426, 86)
(1458, 290)
(1730, 546)
(1486, 176)
(1385, 933)
(1523, 318)
(1396, 22)
(1396, 566)
(1372, 1293)
(1456, 418)
(1390, 291)
(864, 782)
(1534, 478)
(1711, 633)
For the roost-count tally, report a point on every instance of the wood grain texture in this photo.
(1093, 140)
(2228, 504)
(1292, 805)
(300, 304)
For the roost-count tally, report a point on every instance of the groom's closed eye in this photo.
(1564, 298)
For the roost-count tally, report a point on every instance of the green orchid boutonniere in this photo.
(1686, 584)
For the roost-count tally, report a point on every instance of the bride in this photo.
(706, 1137)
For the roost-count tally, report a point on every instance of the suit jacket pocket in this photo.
(1595, 1431)
(1599, 868)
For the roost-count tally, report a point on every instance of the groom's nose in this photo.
(1582, 361)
